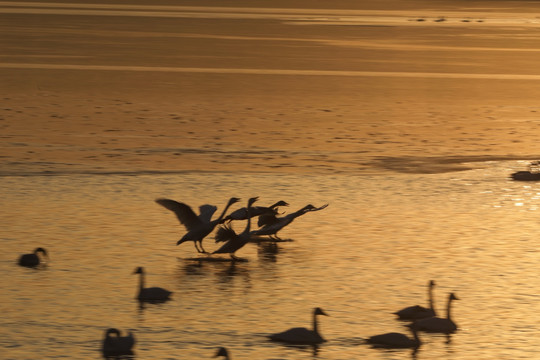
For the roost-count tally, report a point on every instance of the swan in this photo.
(152, 294)
(33, 259)
(198, 227)
(222, 352)
(276, 224)
(241, 214)
(417, 311)
(117, 344)
(301, 335)
(437, 324)
(234, 241)
(395, 340)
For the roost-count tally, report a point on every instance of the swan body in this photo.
(301, 335)
(275, 224)
(234, 241)
(222, 352)
(33, 259)
(117, 344)
(151, 294)
(242, 214)
(417, 311)
(395, 340)
(437, 324)
(198, 227)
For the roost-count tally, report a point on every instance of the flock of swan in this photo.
(200, 226)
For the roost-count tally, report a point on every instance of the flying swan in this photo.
(198, 227)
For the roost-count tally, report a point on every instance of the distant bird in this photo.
(33, 259)
(222, 352)
(241, 214)
(395, 340)
(301, 335)
(234, 242)
(198, 227)
(117, 345)
(437, 324)
(417, 311)
(272, 227)
(151, 294)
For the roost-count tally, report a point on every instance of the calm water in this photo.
(371, 252)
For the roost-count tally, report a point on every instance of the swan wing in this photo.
(183, 212)
(299, 335)
(317, 209)
(225, 233)
(206, 212)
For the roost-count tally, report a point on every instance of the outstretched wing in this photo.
(183, 212)
(225, 233)
(207, 211)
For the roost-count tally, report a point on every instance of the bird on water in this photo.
(150, 294)
(117, 344)
(302, 335)
(436, 324)
(394, 340)
(417, 311)
(222, 352)
(33, 259)
(198, 227)
(234, 241)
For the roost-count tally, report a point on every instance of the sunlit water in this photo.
(370, 253)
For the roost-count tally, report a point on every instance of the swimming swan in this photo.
(437, 324)
(32, 260)
(395, 340)
(152, 294)
(417, 311)
(234, 241)
(222, 352)
(117, 344)
(198, 227)
(301, 335)
(274, 225)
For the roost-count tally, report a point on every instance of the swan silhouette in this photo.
(151, 294)
(241, 214)
(437, 324)
(117, 345)
(275, 224)
(234, 241)
(33, 259)
(417, 311)
(222, 352)
(301, 335)
(198, 227)
(395, 340)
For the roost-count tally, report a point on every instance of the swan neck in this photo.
(141, 281)
(248, 225)
(224, 211)
(430, 297)
(449, 307)
(315, 324)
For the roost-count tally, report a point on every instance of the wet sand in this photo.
(106, 94)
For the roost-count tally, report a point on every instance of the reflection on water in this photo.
(368, 254)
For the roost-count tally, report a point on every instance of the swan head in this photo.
(431, 283)
(252, 200)
(453, 296)
(281, 203)
(41, 250)
(233, 200)
(319, 311)
(111, 331)
(139, 270)
(221, 352)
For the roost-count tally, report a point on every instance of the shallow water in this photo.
(371, 252)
